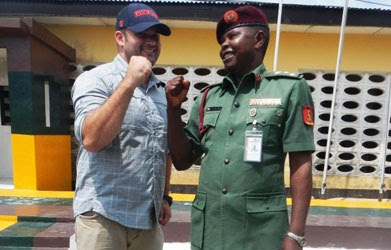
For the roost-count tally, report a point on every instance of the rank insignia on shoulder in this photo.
(308, 115)
(258, 78)
(284, 74)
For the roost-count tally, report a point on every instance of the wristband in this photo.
(168, 199)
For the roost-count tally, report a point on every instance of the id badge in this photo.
(253, 146)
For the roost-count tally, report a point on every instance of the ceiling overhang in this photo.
(195, 15)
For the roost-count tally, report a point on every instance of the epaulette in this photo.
(211, 86)
(279, 74)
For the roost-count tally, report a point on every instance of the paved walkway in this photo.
(349, 224)
(186, 246)
(44, 219)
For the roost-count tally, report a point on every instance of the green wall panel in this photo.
(27, 104)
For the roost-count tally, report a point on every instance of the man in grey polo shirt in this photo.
(123, 169)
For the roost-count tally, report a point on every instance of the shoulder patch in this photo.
(211, 86)
(279, 74)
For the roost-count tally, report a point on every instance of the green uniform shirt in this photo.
(242, 205)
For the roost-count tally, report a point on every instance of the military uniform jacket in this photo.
(242, 205)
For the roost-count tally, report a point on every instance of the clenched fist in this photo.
(139, 70)
(176, 91)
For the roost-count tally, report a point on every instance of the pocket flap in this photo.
(270, 203)
(200, 201)
(210, 117)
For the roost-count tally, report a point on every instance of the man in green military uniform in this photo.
(243, 127)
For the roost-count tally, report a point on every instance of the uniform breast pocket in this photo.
(270, 121)
(211, 117)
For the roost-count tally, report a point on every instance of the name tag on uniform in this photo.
(253, 146)
(265, 102)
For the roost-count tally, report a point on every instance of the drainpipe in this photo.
(278, 31)
(340, 48)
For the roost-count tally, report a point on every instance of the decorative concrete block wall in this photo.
(360, 141)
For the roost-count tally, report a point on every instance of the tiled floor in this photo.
(35, 222)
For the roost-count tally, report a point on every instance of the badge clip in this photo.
(253, 144)
(254, 125)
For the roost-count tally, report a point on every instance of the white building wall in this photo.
(6, 171)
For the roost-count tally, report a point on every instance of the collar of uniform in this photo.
(249, 77)
(255, 75)
(122, 66)
(228, 82)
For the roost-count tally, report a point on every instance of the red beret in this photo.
(242, 16)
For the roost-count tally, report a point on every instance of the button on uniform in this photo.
(224, 191)
(236, 104)
(230, 132)
(226, 161)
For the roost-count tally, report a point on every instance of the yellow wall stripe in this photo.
(314, 202)
(35, 193)
(348, 203)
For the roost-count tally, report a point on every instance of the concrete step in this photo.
(46, 209)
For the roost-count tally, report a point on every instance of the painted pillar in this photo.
(39, 104)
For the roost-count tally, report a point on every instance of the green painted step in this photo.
(350, 211)
(36, 234)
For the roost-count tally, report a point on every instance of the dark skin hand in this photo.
(181, 153)
(301, 186)
(176, 91)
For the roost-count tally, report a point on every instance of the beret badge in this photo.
(231, 17)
